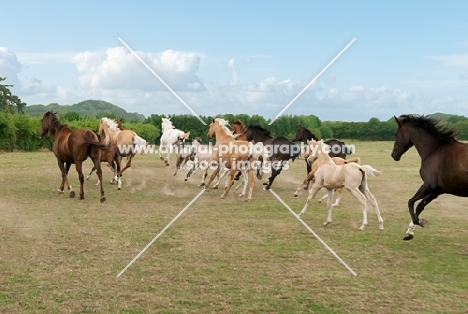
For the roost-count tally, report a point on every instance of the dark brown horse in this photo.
(239, 129)
(73, 147)
(444, 166)
(337, 148)
(279, 150)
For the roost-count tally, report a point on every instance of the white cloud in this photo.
(118, 68)
(9, 66)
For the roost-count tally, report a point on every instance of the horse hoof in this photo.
(215, 187)
(305, 188)
(103, 199)
(72, 194)
(408, 237)
(423, 223)
(185, 179)
(295, 195)
(119, 189)
(161, 158)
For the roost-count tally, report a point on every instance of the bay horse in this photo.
(170, 138)
(126, 142)
(337, 148)
(279, 150)
(331, 176)
(444, 167)
(73, 147)
(231, 154)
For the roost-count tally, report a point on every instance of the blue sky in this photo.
(249, 57)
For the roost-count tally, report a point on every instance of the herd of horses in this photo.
(245, 153)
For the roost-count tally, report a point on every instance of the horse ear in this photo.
(397, 120)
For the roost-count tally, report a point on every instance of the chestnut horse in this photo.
(444, 167)
(73, 147)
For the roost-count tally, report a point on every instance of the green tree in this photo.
(8, 101)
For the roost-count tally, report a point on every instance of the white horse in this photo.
(352, 176)
(170, 138)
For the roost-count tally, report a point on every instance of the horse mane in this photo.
(224, 125)
(261, 129)
(308, 133)
(239, 122)
(441, 131)
(167, 124)
(111, 123)
(54, 121)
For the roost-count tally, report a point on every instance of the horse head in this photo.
(402, 140)
(50, 124)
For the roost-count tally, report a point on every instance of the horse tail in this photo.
(370, 171)
(141, 142)
(91, 138)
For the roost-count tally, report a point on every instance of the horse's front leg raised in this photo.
(422, 192)
(312, 192)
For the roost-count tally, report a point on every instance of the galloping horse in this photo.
(73, 147)
(170, 138)
(239, 129)
(231, 154)
(279, 149)
(337, 148)
(127, 143)
(352, 176)
(444, 167)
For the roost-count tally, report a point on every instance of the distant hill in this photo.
(87, 108)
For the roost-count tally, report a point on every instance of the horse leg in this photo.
(330, 207)
(231, 182)
(79, 169)
(70, 188)
(244, 181)
(312, 192)
(310, 176)
(371, 198)
(212, 177)
(251, 178)
(363, 200)
(309, 168)
(118, 172)
(338, 196)
(128, 164)
(225, 172)
(97, 164)
(422, 192)
(90, 173)
(422, 222)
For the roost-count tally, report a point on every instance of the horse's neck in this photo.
(262, 138)
(221, 136)
(307, 135)
(324, 158)
(424, 142)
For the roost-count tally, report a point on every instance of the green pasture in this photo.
(62, 255)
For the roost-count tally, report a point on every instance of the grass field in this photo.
(62, 255)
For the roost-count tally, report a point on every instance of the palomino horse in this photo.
(352, 176)
(338, 161)
(202, 155)
(443, 162)
(170, 138)
(337, 148)
(126, 142)
(230, 154)
(279, 150)
(73, 147)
